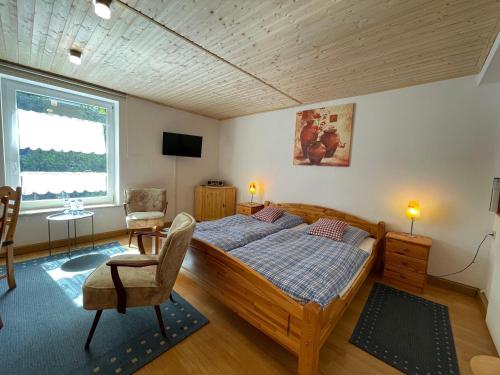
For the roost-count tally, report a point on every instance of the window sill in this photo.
(59, 209)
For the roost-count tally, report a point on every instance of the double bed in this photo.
(263, 274)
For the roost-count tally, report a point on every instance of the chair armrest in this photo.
(132, 262)
(148, 234)
(121, 294)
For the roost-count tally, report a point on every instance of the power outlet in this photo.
(492, 234)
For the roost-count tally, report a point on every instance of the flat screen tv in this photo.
(182, 145)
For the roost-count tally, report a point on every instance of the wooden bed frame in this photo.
(302, 329)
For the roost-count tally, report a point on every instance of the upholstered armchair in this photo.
(137, 280)
(144, 209)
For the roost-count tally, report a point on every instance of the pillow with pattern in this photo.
(288, 220)
(269, 214)
(329, 228)
(354, 236)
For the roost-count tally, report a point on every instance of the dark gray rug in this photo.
(45, 327)
(407, 332)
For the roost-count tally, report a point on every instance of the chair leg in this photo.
(92, 330)
(160, 320)
(10, 267)
(130, 235)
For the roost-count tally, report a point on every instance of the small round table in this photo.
(68, 217)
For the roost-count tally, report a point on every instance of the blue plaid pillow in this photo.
(287, 221)
(354, 236)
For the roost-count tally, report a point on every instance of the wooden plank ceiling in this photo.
(228, 58)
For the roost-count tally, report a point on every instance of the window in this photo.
(58, 143)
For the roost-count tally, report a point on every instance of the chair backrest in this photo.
(13, 206)
(174, 249)
(4, 201)
(145, 200)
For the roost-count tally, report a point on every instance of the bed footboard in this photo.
(246, 293)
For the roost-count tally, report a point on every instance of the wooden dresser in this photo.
(214, 202)
(248, 208)
(405, 260)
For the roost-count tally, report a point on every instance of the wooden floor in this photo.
(229, 345)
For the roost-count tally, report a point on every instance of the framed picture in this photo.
(323, 136)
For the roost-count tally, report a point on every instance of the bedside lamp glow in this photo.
(413, 213)
(252, 189)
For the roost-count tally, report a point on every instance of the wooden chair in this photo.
(3, 220)
(144, 280)
(13, 198)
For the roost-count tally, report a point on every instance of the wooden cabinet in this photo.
(214, 202)
(248, 208)
(406, 259)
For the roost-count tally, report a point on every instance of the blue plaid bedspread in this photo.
(306, 267)
(238, 230)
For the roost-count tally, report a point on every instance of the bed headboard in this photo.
(311, 213)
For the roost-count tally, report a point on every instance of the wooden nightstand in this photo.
(405, 260)
(248, 208)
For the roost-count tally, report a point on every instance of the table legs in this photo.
(93, 241)
(50, 243)
(75, 237)
(69, 242)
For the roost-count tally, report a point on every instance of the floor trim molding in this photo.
(43, 246)
(482, 301)
(453, 285)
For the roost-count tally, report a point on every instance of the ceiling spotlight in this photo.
(75, 56)
(102, 8)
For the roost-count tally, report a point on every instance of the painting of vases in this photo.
(323, 136)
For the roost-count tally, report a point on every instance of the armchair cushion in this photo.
(141, 220)
(140, 284)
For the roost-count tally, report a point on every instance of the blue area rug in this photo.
(45, 326)
(407, 332)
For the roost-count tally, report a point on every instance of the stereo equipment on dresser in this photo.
(215, 182)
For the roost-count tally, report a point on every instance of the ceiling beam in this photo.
(196, 45)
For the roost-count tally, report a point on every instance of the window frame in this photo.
(11, 163)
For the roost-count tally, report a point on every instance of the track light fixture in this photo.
(75, 56)
(102, 8)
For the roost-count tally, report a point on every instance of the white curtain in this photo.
(59, 133)
(57, 182)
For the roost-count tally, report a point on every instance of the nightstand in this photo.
(406, 259)
(248, 208)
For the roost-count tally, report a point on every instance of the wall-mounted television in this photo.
(182, 145)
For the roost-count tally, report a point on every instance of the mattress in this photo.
(366, 245)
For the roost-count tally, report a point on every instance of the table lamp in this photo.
(252, 189)
(413, 212)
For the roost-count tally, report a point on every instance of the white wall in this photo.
(433, 142)
(493, 284)
(493, 287)
(143, 165)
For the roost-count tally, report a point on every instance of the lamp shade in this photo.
(252, 188)
(413, 210)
